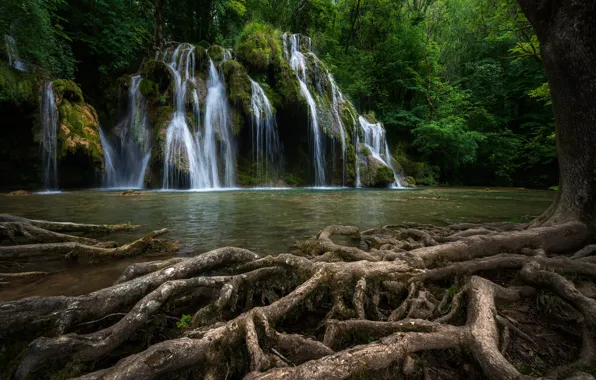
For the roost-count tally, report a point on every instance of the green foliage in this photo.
(448, 141)
(38, 32)
(184, 321)
(258, 46)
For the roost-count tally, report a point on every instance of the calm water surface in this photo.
(265, 221)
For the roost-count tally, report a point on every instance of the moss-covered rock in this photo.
(159, 73)
(204, 44)
(409, 181)
(374, 173)
(17, 86)
(79, 130)
(383, 176)
(258, 47)
(201, 62)
(160, 117)
(68, 90)
(148, 88)
(286, 84)
(238, 85)
(216, 53)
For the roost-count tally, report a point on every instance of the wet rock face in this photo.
(373, 173)
(80, 152)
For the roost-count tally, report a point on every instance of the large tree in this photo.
(567, 34)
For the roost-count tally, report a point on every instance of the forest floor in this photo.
(477, 301)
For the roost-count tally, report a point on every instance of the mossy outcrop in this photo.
(79, 146)
(17, 86)
(78, 127)
(238, 87)
(68, 90)
(374, 173)
(159, 73)
(201, 62)
(258, 47)
(216, 53)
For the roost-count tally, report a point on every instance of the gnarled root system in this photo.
(495, 301)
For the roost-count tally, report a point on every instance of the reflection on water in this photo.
(266, 221)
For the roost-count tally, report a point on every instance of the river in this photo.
(265, 221)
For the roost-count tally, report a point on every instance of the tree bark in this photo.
(158, 24)
(567, 34)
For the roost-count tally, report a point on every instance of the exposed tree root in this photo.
(52, 243)
(328, 312)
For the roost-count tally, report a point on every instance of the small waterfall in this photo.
(13, 54)
(265, 140)
(217, 124)
(337, 98)
(182, 167)
(49, 143)
(375, 141)
(125, 166)
(297, 60)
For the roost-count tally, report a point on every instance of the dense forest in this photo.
(459, 86)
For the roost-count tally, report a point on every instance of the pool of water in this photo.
(266, 221)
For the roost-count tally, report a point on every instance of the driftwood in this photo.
(326, 311)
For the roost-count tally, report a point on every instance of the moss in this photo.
(258, 46)
(79, 130)
(216, 53)
(67, 89)
(238, 85)
(204, 44)
(148, 88)
(17, 86)
(286, 83)
(383, 176)
(201, 62)
(351, 162)
(364, 150)
(159, 73)
(348, 116)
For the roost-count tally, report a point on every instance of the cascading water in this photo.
(297, 60)
(182, 166)
(48, 139)
(375, 141)
(265, 140)
(217, 124)
(337, 98)
(125, 166)
(13, 54)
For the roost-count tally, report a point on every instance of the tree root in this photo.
(340, 312)
(53, 243)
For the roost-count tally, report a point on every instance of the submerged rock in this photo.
(19, 192)
(130, 192)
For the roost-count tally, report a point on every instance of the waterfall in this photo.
(182, 166)
(48, 113)
(125, 166)
(297, 60)
(217, 124)
(375, 141)
(337, 98)
(13, 54)
(265, 140)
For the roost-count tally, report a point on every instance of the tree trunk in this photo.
(158, 24)
(567, 34)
